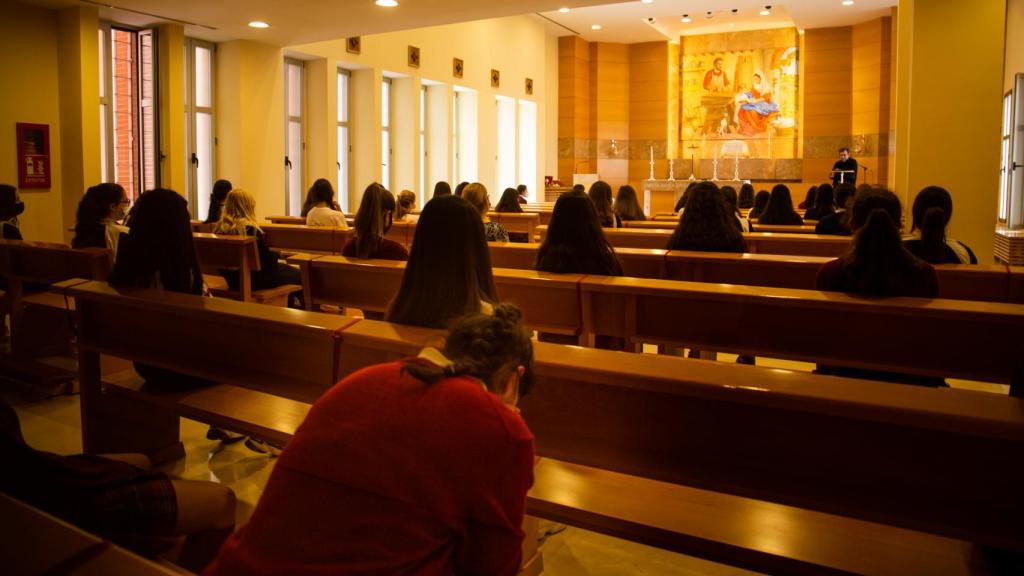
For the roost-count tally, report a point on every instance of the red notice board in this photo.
(33, 155)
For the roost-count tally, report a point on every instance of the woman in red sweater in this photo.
(419, 466)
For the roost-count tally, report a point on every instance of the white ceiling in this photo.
(627, 22)
(304, 21)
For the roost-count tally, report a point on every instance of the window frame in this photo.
(345, 183)
(288, 119)
(191, 113)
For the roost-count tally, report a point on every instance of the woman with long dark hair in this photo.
(627, 206)
(824, 203)
(449, 269)
(729, 195)
(779, 211)
(321, 208)
(217, 198)
(760, 203)
(442, 188)
(879, 266)
(708, 224)
(96, 220)
(373, 220)
(158, 251)
(601, 194)
(419, 466)
(11, 207)
(746, 199)
(838, 223)
(932, 210)
(575, 242)
(509, 201)
(810, 200)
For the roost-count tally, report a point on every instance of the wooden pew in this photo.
(804, 229)
(309, 239)
(293, 220)
(757, 242)
(936, 338)
(221, 252)
(402, 232)
(638, 262)
(38, 321)
(681, 433)
(259, 390)
(35, 542)
(517, 222)
(774, 471)
(550, 302)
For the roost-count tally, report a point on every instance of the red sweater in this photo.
(389, 475)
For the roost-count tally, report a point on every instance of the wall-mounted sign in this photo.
(33, 155)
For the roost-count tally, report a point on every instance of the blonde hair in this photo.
(238, 214)
(476, 195)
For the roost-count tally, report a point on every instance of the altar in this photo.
(662, 195)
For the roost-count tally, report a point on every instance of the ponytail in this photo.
(878, 252)
(933, 234)
(481, 346)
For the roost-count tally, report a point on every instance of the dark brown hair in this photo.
(373, 219)
(878, 262)
(93, 208)
(627, 206)
(708, 224)
(575, 242)
(933, 207)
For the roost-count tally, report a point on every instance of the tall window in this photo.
(344, 148)
(199, 140)
(385, 133)
(293, 136)
(423, 145)
(528, 145)
(506, 145)
(455, 139)
(1015, 162)
(1005, 174)
(128, 108)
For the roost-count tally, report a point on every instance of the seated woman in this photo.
(239, 219)
(11, 207)
(509, 202)
(449, 269)
(746, 199)
(708, 225)
(96, 218)
(476, 195)
(601, 195)
(838, 223)
(878, 266)
(779, 211)
(824, 199)
(373, 220)
(322, 207)
(729, 195)
(933, 207)
(118, 497)
(403, 487)
(810, 199)
(217, 198)
(405, 205)
(575, 244)
(681, 202)
(522, 194)
(627, 207)
(442, 188)
(760, 203)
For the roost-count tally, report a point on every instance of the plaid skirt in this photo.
(142, 505)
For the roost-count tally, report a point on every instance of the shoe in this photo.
(223, 436)
(261, 447)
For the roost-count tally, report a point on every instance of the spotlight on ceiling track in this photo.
(766, 11)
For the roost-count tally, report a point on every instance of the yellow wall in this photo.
(28, 53)
(78, 48)
(516, 46)
(949, 110)
(250, 142)
(1014, 42)
(171, 71)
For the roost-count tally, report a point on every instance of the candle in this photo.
(652, 153)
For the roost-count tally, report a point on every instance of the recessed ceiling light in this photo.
(595, 27)
(732, 23)
(847, 2)
(563, 10)
(387, 3)
(686, 19)
(766, 11)
(258, 24)
(647, 1)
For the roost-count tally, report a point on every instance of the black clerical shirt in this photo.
(848, 164)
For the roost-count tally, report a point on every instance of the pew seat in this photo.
(759, 535)
(219, 252)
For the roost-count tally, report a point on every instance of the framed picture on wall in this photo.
(33, 155)
(354, 44)
(457, 67)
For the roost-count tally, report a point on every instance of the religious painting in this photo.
(33, 155)
(740, 87)
(414, 57)
(354, 45)
(457, 67)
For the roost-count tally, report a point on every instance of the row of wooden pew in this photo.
(769, 470)
(910, 335)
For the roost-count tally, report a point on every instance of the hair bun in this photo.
(508, 313)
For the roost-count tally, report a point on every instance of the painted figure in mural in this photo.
(754, 107)
(716, 80)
